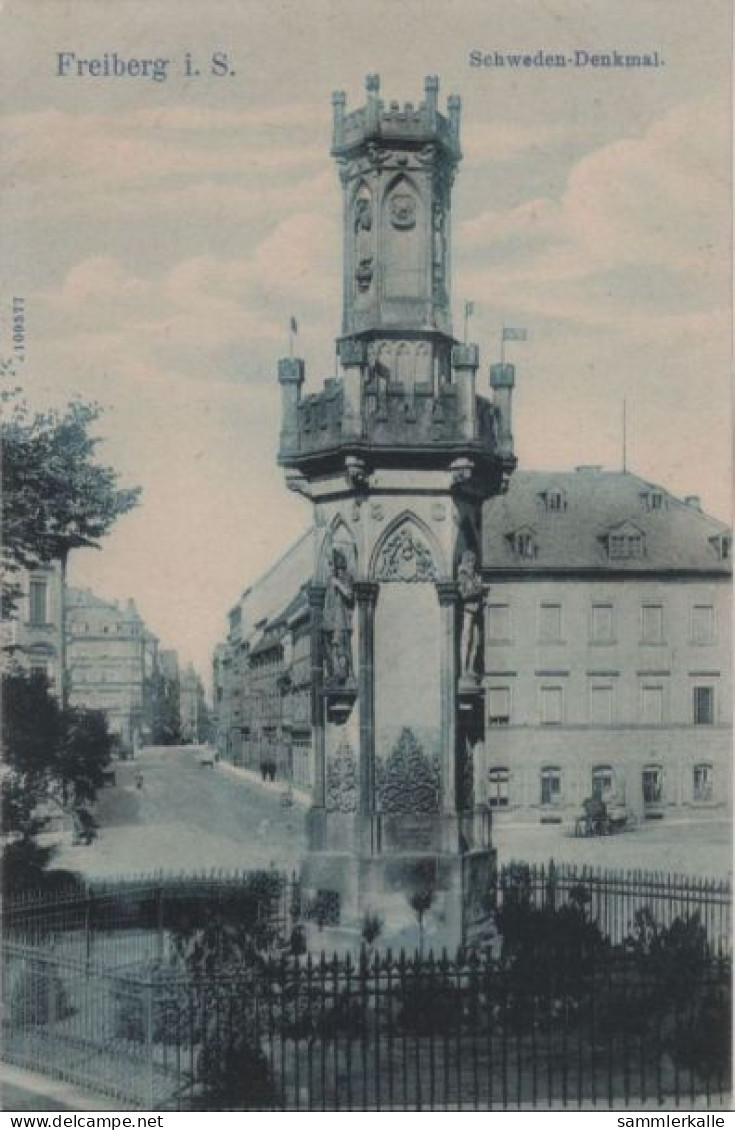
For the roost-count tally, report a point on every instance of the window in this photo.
(554, 499)
(38, 601)
(550, 623)
(654, 500)
(702, 782)
(498, 623)
(722, 545)
(497, 787)
(703, 623)
(525, 545)
(499, 706)
(550, 785)
(552, 706)
(603, 782)
(652, 704)
(652, 623)
(704, 706)
(653, 784)
(601, 704)
(39, 667)
(602, 628)
(626, 543)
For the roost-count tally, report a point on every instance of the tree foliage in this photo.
(56, 496)
(55, 761)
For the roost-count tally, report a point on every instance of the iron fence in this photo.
(382, 1032)
(122, 922)
(614, 897)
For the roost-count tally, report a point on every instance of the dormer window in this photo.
(625, 542)
(554, 499)
(523, 543)
(653, 500)
(723, 546)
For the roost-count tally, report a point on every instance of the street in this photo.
(186, 817)
(191, 817)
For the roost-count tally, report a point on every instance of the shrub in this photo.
(39, 997)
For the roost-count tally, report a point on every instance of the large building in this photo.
(607, 648)
(112, 664)
(33, 637)
(262, 673)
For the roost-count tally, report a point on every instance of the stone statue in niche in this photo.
(439, 247)
(363, 243)
(470, 593)
(339, 604)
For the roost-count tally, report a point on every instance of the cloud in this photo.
(641, 225)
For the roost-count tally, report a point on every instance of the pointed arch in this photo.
(337, 536)
(402, 228)
(407, 551)
(405, 365)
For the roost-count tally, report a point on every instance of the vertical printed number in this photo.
(19, 328)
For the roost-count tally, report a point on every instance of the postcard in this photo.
(368, 555)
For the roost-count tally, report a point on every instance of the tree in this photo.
(56, 497)
(55, 759)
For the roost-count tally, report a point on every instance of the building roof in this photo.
(85, 599)
(268, 597)
(567, 518)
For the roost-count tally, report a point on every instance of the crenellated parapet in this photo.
(381, 121)
(382, 422)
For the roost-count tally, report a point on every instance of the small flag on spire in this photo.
(294, 325)
(510, 334)
(469, 308)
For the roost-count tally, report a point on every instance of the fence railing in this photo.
(613, 898)
(120, 923)
(124, 921)
(384, 1032)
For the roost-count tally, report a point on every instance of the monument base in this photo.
(428, 878)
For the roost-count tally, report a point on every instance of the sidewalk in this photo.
(28, 1090)
(301, 796)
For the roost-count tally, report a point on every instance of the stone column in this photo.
(448, 600)
(366, 595)
(290, 378)
(316, 593)
(502, 380)
(465, 360)
(352, 359)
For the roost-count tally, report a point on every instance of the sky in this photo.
(161, 235)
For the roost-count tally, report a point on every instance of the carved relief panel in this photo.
(402, 238)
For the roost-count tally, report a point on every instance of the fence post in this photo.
(149, 1041)
(159, 921)
(88, 926)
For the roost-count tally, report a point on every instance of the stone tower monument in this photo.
(397, 455)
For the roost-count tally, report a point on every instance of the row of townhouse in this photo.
(105, 658)
(607, 653)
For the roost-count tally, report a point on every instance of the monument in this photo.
(397, 456)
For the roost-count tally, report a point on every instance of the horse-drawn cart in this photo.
(601, 819)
